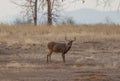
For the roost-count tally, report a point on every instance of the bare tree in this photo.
(51, 7)
(35, 12)
(32, 7)
(108, 3)
(51, 4)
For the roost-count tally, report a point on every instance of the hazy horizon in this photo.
(9, 12)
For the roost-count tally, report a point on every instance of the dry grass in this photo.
(32, 34)
(91, 58)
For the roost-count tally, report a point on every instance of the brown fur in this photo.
(59, 48)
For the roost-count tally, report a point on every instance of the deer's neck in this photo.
(67, 48)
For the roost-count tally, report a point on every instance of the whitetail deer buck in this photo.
(59, 48)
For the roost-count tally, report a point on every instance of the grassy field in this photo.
(94, 56)
(31, 34)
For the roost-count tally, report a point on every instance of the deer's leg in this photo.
(49, 56)
(63, 56)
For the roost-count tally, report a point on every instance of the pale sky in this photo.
(8, 9)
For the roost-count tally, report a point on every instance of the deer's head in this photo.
(69, 43)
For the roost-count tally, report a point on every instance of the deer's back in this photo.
(56, 47)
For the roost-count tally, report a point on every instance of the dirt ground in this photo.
(86, 61)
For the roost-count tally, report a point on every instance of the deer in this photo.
(58, 47)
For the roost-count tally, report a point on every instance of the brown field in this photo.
(94, 56)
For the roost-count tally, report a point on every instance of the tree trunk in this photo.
(35, 12)
(49, 14)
